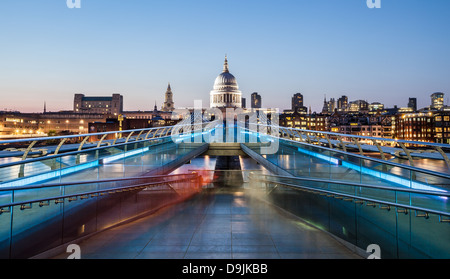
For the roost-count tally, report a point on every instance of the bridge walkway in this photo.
(219, 223)
(361, 200)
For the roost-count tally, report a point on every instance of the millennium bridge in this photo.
(226, 191)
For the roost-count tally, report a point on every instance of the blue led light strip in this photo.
(124, 155)
(374, 173)
(49, 175)
(320, 156)
(70, 170)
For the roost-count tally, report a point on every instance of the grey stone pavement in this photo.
(221, 223)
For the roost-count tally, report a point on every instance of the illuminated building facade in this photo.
(105, 105)
(297, 101)
(442, 127)
(40, 124)
(415, 127)
(300, 120)
(256, 100)
(342, 103)
(437, 101)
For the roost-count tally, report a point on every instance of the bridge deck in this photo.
(224, 223)
(228, 222)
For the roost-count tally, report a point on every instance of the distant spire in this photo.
(325, 105)
(225, 65)
(45, 107)
(168, 104)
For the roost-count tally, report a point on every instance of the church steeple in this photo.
(225, 65)
(168, 104)
(325, 105)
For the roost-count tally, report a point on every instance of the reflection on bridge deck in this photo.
(220, 223)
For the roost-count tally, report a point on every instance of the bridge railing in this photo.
(52, 158)
(413, 153)
(403, 222)
(304, 159)
(54, 145)
(35, 219)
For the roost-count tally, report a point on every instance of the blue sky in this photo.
(48, 52)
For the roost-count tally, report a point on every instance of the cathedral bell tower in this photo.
(168, 104)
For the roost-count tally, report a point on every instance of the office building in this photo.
(297, 101)
(412, 103)
(376, 107)
(342, 103)
(104, 105)
(415, 127)
(437, 101)
(256, 101)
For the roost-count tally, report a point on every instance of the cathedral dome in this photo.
(225, 82)
(226, 90)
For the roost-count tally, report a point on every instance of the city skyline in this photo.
(50, 52)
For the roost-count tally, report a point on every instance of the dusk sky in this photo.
(49, 52)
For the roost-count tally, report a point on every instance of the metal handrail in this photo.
(382, 187)
(73, 136)
(52, 156)
(89, 134)
(429, 146)
(30, 160)
(34, 141)
(81, 135)
(411, 168)
(90, 193)
(354, 197)
(364, 137)
(28, 187)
